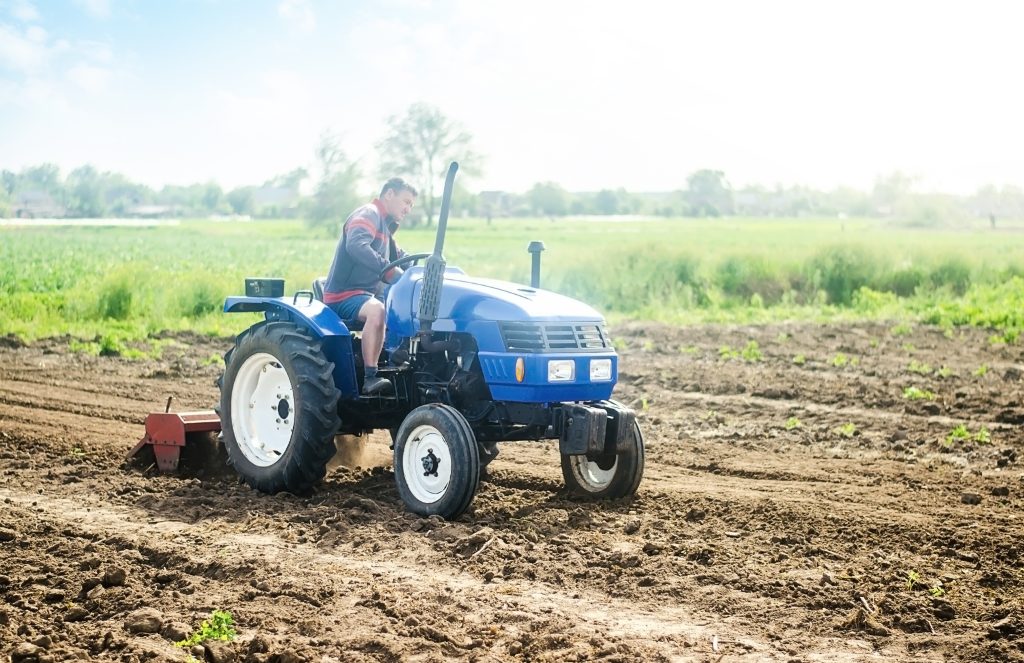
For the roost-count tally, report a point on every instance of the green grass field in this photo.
(108, 285)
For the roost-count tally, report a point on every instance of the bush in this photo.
(841, 270)
(747, 275)
(953, 273)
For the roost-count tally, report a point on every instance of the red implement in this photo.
(167, 432)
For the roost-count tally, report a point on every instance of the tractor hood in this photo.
(467, 303)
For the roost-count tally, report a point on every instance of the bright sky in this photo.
(588, 94)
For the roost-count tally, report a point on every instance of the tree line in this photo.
(419, 143)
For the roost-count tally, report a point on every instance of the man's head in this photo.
(398, 197)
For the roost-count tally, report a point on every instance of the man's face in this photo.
(398, 203)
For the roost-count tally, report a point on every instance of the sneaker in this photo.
(374, 386)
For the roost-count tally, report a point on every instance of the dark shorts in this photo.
(348, 309)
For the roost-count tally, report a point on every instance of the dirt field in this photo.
(749, 539)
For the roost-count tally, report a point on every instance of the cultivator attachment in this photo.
(167, 433)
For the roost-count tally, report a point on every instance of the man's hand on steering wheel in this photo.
(396, 265)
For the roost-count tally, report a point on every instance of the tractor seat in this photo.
(318, 292)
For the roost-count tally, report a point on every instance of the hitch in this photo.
(167, 433)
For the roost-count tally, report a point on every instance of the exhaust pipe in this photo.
(433, 278)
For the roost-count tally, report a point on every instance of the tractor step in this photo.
(167, 433)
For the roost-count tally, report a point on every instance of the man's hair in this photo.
(397, 184)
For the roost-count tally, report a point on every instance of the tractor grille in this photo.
(553, 337)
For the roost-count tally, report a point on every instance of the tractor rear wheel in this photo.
(437, 462)
(278, 408)
(611, 477)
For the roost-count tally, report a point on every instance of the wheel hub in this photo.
(430, 463)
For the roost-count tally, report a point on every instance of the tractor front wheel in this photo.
(278, 408)
(610, 477)
(437, 462)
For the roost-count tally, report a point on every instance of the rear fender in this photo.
(316, 317)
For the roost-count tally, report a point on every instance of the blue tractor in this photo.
(473, 362)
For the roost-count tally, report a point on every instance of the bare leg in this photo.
(372, 315)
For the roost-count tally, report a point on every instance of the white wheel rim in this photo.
(262, 409)
(589, 475)
(427, 464)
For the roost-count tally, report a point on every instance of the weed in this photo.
(983, 436)
(689, 349)
(783, 337)
(981, 371)
(958, 434)
(913, 577)
(909, 348)
(792, 423)
(873, 342)
(902, 329)
(213, 360)
(840, 360)
(847, 430)
(644, 404)
(217, 627)
(799, 360)
(919, 367)
(944, 372)
(751, 352)
(915, 394)
(648, 346)
(937, 591)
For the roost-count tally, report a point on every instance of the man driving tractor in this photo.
(354, 289)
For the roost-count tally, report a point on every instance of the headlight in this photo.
(561, 370)
(600, 369)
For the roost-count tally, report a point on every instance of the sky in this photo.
(592, 95)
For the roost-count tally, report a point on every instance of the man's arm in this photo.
(359, 233)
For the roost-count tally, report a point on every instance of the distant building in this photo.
(150, 211)
(276, 201)
(37, 205)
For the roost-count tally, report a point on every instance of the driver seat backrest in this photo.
(318, 292)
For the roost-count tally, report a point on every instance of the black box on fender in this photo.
(583, 430)
(264, 287)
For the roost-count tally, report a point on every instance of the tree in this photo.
(240, 200)
(548, 198)
(335, 195)
(86, 193)
(419, 146)
(606, 202)
(708, 193)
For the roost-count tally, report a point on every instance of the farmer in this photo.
(354, 288)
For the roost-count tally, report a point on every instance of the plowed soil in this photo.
(791, 511)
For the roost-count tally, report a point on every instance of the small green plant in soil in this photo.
(913, 577)
(840, 360)
(218, 627)
(792, 423)
(847, 430)
(752, 352)
(958, 434)
(944, 372)
(689, 349)
(981, 371)
(983, 436)
(916, 394)
(919, 367)
(799, 360)
(937, 591)
(902, 329)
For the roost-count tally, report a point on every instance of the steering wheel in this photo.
(412, 257)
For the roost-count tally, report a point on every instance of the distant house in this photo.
(150, 211)
(495, 203)
(37, 205)
(275, 201)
